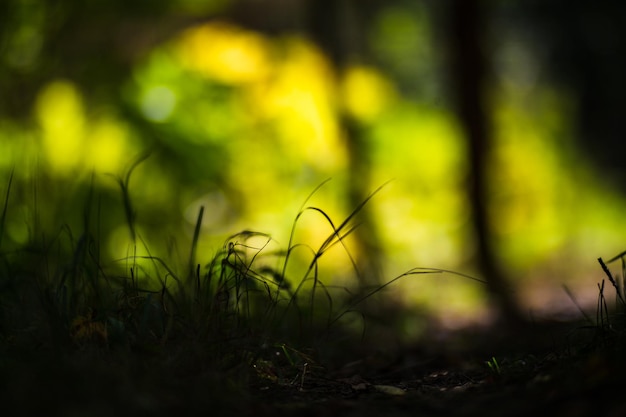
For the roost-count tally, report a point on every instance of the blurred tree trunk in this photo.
(469, 69)
(336, 27)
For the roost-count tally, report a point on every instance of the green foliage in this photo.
(238, 312)
(74, 295)
(240, 121)
(611, 323)
(493, 366)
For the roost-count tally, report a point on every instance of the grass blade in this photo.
(5, 206)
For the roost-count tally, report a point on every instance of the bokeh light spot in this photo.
(158, 103)
(225, 53)
(59, 110)
(108, 146)
(366, 93)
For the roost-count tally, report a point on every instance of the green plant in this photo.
(610, 325)
(494, 366)
(247, 310)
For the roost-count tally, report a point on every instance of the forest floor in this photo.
(494, 372)
(556, 369)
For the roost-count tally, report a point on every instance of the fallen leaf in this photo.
(389, 389)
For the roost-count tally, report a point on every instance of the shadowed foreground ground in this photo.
(561, 369)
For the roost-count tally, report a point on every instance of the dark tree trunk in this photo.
(469, 71)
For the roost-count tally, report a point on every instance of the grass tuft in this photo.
(247, 315)
(611, 323)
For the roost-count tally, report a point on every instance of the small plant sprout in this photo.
(493, 365)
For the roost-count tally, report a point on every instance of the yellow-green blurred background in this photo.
(244, 113)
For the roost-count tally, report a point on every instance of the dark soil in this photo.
(540, 369)
(560, 369)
